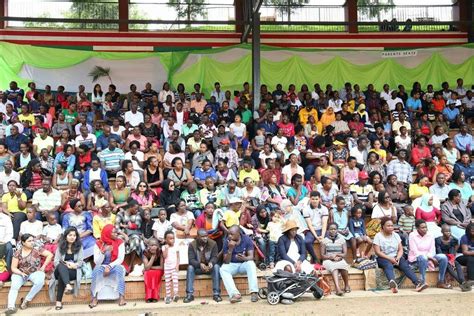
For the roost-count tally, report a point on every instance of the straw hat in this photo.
(290, 224)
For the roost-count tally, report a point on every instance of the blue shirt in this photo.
(202, 175)
(468, 170)
(103, 141)
(413, 104)
(242, 248)
(465, 241)
(463, 141)
(14, 142)
(451, 114)
(270, 128)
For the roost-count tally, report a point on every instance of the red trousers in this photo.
(153, 284)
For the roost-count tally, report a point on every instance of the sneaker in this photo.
(217, 298)
(10, 311)
(465, 287)
(393, 286)
(421, 286)
(168, 300)
(254, 297)
(175, 298)
(235, 298)
(189, 298)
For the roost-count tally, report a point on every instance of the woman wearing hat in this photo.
(338, 154)
(292, 250)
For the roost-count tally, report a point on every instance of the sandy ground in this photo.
(406, 302)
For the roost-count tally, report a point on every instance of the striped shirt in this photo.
(362, 191)
(111, 159)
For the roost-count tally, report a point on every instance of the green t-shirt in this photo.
(70, 117)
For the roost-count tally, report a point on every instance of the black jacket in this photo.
(210, 254)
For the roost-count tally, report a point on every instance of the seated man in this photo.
(111, 158)
(238, 258)
(202, 256)
(47, 200)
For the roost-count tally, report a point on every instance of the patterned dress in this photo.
(133, 231)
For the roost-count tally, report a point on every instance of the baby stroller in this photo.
(289, 286)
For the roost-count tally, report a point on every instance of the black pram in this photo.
(289, 286)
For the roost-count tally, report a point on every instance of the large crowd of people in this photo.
(96, 185)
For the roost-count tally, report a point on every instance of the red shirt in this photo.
(433, 216)
(287, 129)
(418, 154)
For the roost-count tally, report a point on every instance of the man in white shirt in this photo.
(85, 138)
(133, 117)
(6, 237)
(360, 152)
(386, 94)
(46, 200)
(7, 175)
(218, 94)
(279, 142)
(393, 100)
(316, 216)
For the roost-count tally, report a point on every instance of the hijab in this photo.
(328, 117)
(424, 203)
(106, 240)
(168, 197)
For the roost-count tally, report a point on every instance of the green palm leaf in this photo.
(99, 72)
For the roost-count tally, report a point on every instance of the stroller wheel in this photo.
(263, 293)
(262, 266)
(318, 294)
(273, 298)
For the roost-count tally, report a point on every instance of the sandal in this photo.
(347, 290)
(340, 293)
(93, 304)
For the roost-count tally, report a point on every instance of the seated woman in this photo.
(154, 174)
(14, 205)
(443, 167)
(205, 221)
(418, 188)
(169, 197)
(101, 219)
(132, 176)
(292, 250)
(459, 183)
(340, 215)
(448, 246)
(71, 194)
(179, 174)
(120, 194)
(297, 191)
(109, 253)
(26, 267)
(82, 220)
(68, 261)
(467, 250)
(389, 251)
(427, 212)
(455, 213)
(333, 253)
(61, 178)
(423, 250)
(182, 221)
(153, 270)
(95, 173)
(143, 195)
(97, 197)
(129, 222)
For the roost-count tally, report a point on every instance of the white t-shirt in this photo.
(287, 171)
(52, 232)
(238, 131)
(264, 157)
(134, 119)
(393, 102)
(34, 228)
(386, 95)
(119, 132)
(140, 156)
(388, 245)
(404, 142)
(279, 142)
(316, 215)
(181, 219)
(4, 179)
(94, 175)
(161, 228)
(89, 140)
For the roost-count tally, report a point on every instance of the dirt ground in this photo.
(362, 303)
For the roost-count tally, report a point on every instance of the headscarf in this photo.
(168, 197)
(328, 117)
(424, 203)
(106, 240)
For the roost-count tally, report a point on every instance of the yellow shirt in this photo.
(382, 153)
(351, 106)
(304, 115)
(415, 191)
(12, 202)
(253, 174)
(43, 143)
(30, 118)
(231, 218)
(99, 222)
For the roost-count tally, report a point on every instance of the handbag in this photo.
(366, 264)
(86, 271)
(373, 227)
(323, 282)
